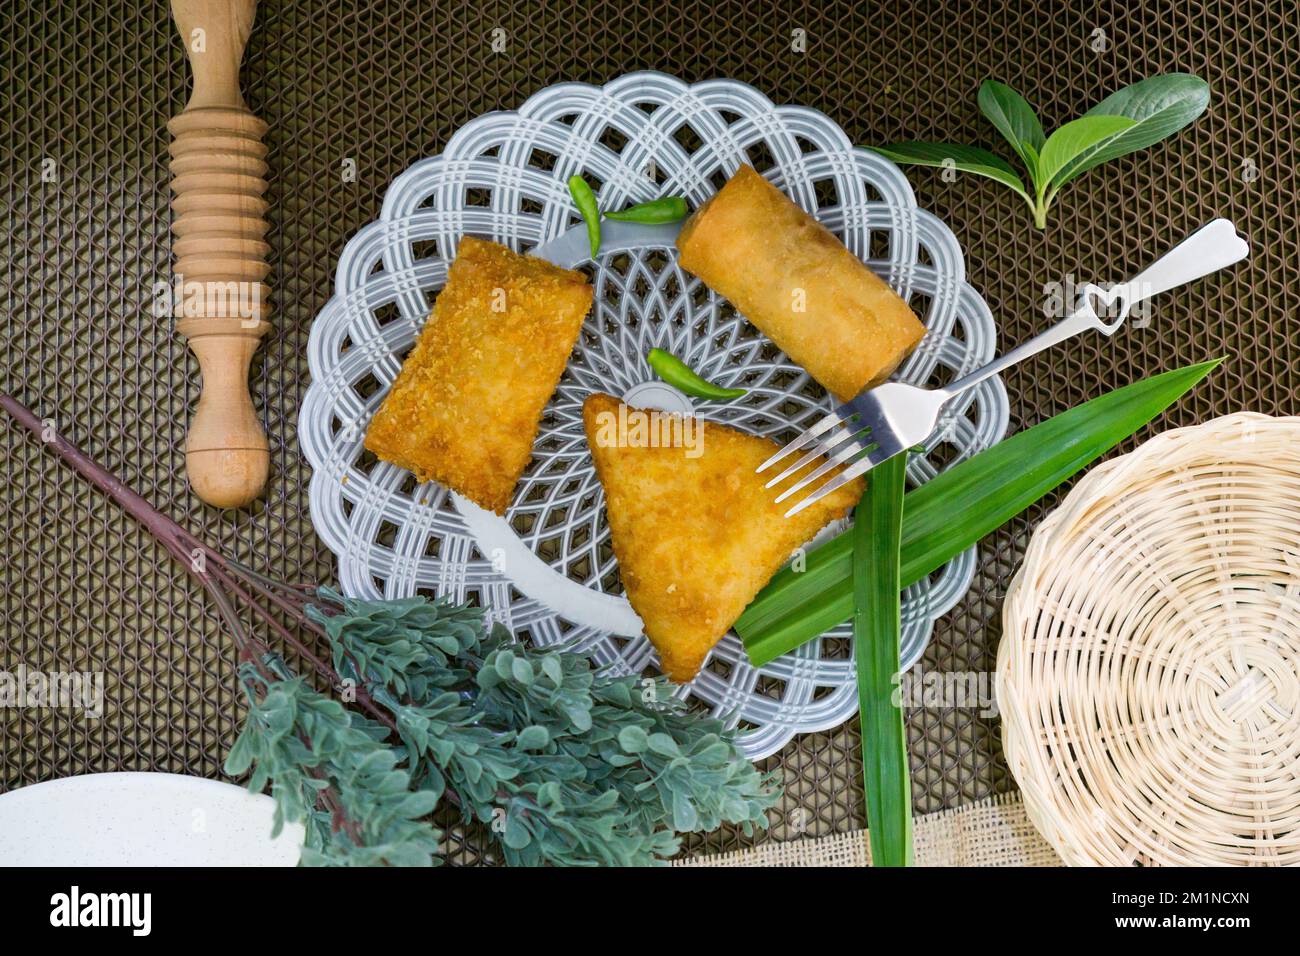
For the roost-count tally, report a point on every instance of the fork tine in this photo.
(824, 424)
(857, 469)
(820, 449)
(831, 463)
(853, 471)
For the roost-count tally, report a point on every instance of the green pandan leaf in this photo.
(959, 506)
(877, 535)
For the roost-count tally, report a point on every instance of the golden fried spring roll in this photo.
(465, 408)
(793, 279)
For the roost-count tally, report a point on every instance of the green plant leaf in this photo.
(947, 515)
(537, 739)
(968, 159)
(1015, 119)
(1155, 108)
(685, 819)
(1076, 139)
(533, 737)
(877, 533)
(663, 745)
(633, 739)
(1159, 106)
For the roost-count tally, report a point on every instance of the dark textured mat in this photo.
(86, 90)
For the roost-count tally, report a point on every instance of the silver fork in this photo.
(883, 421)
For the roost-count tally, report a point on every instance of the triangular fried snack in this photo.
(695, 531)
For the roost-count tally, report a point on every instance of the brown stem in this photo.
(224, 575)
(162, 526)
(324, 669)
(293, 592)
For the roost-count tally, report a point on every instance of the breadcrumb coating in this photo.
(466, 406)
(695, 531)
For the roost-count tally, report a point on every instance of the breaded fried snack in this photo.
(695, 531)
(465, 407)
(792, 278)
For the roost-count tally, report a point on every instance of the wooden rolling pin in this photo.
(219, 220)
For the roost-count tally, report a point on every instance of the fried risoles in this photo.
(697, 537)
(465, 408)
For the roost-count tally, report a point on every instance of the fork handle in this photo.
(1214, 246)
(1081, 320)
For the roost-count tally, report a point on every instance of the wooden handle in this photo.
(218, 165)
(226, 453)
(215, 32)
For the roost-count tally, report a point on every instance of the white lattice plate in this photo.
(547, 570)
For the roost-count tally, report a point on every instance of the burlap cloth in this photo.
(86, 89)
(991, 832)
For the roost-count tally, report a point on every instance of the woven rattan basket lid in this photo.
(1149, 673)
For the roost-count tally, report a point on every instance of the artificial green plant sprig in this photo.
(565, 763)
(331, 770)
(1131, 119)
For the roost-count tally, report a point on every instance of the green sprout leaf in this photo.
(1015, 119)
(1128, 120)
(1074, 140)
(967, 159)
(1159, 106)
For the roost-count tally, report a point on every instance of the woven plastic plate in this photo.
(547, 570)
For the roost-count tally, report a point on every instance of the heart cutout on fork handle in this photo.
(1093, 295)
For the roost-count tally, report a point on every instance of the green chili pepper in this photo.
(667, 209)
(679, 375)
(585, 200)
